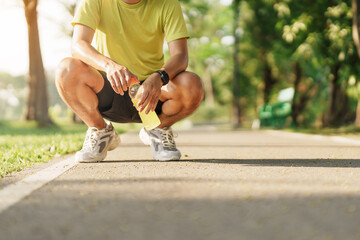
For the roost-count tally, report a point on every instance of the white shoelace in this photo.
(91, 138)
(167, 138)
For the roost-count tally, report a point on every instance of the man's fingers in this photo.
(128, 77)
(144, 95)
(120, 78)
(149, 106)
(112, 83)
(115, 85)
(152, 104)
(150, 97)
(122, 81)
(155, 104)
(144, 102)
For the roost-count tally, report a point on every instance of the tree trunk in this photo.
(268, 80)
(355, 26)
(237, 113)
(302, 95)
(208, 88)
(269, 83)
(357, 118)
(36, 107)
(296, 105)
(338, 102)
(356, 38)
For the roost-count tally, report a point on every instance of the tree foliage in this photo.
(307, 45)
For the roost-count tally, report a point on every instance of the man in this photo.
(129, 37)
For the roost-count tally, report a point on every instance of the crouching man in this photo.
(128, 37)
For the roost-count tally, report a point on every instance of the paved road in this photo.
(229, 185)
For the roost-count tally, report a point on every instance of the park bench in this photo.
(276, 114)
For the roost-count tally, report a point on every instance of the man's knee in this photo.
(67, 71)
(192, 89)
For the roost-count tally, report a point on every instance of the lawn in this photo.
(22, 144)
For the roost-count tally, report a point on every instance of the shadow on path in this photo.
(330, 163)
(232, 145)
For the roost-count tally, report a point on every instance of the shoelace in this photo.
(91, 138)
(167, 138)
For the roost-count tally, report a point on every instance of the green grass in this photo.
(22, 144)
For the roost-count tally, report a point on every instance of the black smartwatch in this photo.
(164, 77)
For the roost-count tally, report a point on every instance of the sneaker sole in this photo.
(167, 160)
(90, 160)
(173, 158)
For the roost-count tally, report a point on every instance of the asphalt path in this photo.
(228, 185)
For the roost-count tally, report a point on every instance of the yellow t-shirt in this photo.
(133, 34)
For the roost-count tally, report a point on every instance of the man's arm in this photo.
(177, 63)
(118, 76)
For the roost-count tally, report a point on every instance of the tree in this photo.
(322, 58)
(340, 55)
(36, 107)
(356, 38)
(237, 111)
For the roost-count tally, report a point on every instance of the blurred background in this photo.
(264, 63)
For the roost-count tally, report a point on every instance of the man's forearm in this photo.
(175, 65)
(89, 55)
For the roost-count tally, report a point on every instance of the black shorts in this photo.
(117, 108)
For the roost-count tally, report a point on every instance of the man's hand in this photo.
(119, 77)
(151, 90)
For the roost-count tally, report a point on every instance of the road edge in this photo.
(13, 193)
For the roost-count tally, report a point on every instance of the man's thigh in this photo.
(73, 72)
(183, 86)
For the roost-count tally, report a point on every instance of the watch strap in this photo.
(164, 76)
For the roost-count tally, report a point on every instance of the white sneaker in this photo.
(97, 143)
(162, 143)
